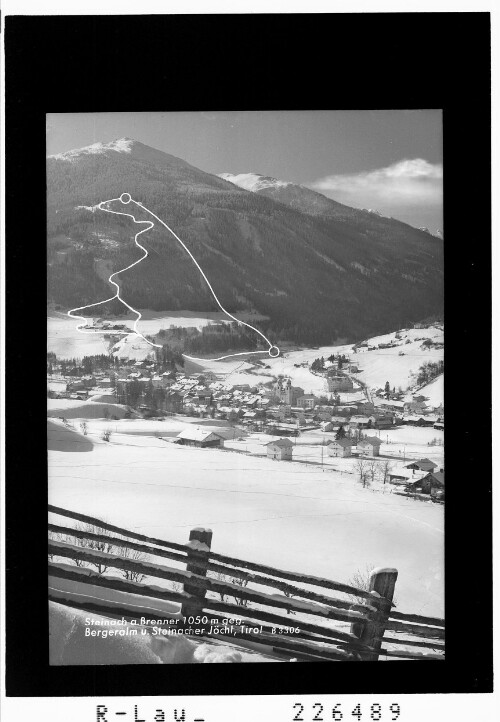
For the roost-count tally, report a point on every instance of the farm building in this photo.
(422, 465)
(340, 447)
(199, 437)
(369, 446)
(433, 481)
(405, 476)
(280, 449)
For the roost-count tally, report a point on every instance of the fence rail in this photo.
(331, 628)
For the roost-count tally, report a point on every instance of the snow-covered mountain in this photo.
(121, 145)
(317, 269)
(253, 181)
(298, 197)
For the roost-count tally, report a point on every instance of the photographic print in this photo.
(245, 408)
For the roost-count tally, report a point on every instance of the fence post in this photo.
(382, 584)
(200, 540)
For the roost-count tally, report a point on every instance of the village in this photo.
(386, 438)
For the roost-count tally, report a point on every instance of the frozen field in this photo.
(293, 516)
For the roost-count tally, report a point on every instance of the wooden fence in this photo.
(359, 624)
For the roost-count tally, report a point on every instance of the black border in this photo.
(413, 60)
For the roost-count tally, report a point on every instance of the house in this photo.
(339, 383)
(200, 437)
(340, 447)
(107, 382)
(280, 449)
(204, 398)
(370, 446)
(413, 407)
(365, 407)
(433, 481)
(422, 465)
(405, 476)
(326, 426)
(360, 422)
(419, 420)
(439, 425)
(307, 401)
(392, 405)
(384, 421)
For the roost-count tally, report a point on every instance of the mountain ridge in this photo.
(318, 275)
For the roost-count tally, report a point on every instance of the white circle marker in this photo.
(126, 198)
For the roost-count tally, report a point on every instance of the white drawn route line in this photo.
(126, 198)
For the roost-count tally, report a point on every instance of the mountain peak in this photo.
(120, 145)
(253, 181)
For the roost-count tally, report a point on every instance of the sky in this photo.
(385, 160)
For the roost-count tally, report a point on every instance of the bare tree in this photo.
(67, 539)
(372, 469)
(361, 580)
(220, 577)
(385, 468)
(361, 469)
(134, 555)
(98, 545)
(289, 596)
(106, 435)
(241, 582)
(228, 579)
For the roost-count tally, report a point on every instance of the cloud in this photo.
(407, 183)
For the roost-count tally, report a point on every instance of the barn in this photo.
(202, 438)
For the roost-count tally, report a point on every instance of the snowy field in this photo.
(399, 446)
(294, 516)
(66, 342)
(376, 367)
(434, 391)
(396, 364)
